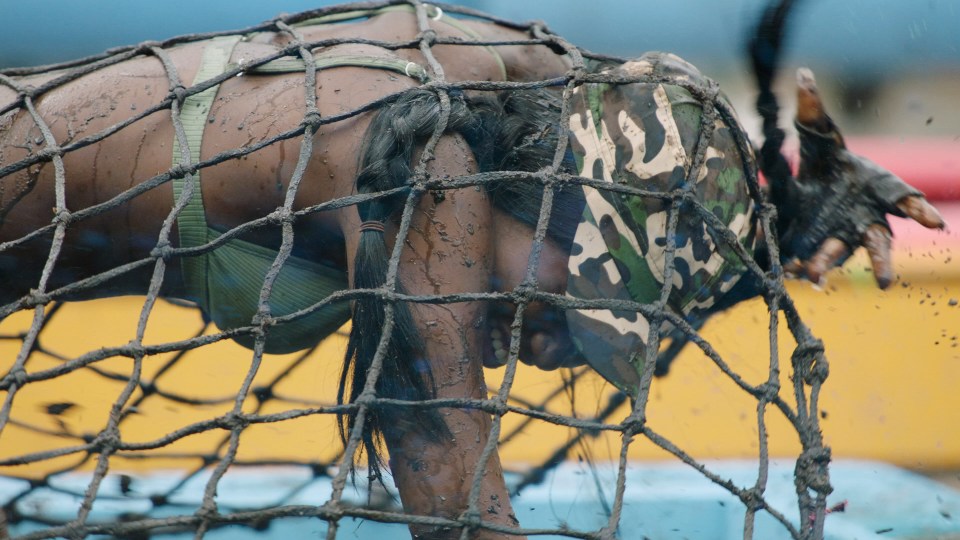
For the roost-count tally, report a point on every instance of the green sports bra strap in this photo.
(458, 24)
(192, 222)
(290, 64)
(434, 12)
(355, 14)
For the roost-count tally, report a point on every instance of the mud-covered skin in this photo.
(851, 192)
(838, 201)
(644, 136)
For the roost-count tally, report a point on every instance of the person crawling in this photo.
(463, 205)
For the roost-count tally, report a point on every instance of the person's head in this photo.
(516, 131)
(545, 339)
(520, 132)
(676, 165)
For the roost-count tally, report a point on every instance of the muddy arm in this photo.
(838, 200)
(447, 251)
(452, 239)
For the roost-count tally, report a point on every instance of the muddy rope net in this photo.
(137, 372)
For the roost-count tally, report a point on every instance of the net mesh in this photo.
(146, 373)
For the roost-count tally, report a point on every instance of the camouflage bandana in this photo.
(643, 135)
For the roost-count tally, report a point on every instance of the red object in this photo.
(839, 507)
(930, 164)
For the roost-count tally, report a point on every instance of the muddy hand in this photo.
(841, 200)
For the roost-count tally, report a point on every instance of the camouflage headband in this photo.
(643, 135)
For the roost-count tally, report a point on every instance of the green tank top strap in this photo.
(192, 222)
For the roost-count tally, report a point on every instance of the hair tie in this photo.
(376, 226)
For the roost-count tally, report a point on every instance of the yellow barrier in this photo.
(891, 395)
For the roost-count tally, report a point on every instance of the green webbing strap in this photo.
(290, 64)
(433, 12)
(192, 222)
